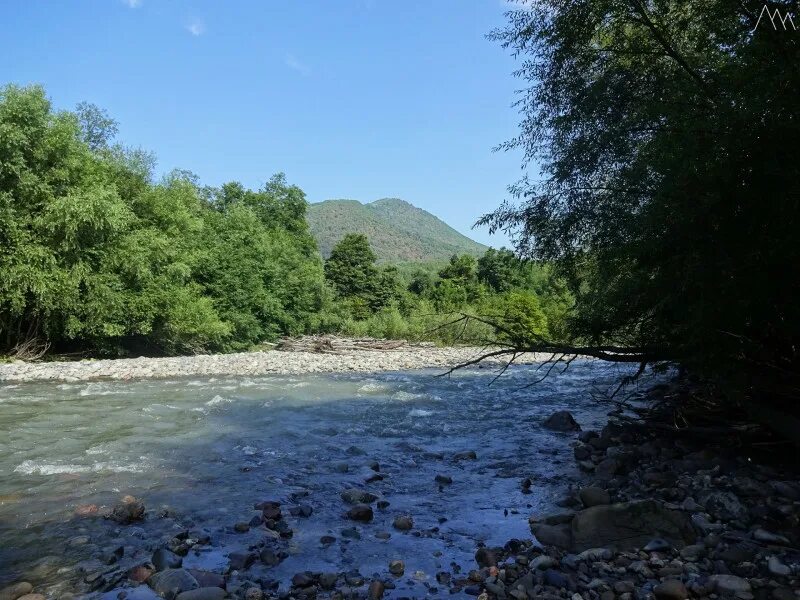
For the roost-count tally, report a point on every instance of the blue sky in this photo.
(357, 99)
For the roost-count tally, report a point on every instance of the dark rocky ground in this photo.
(657, 516)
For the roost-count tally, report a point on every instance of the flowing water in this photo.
(201, 452)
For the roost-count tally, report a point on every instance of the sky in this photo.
(359, 99)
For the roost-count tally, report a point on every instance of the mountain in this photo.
(398, 231)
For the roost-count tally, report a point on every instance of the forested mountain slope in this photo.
(397, 230)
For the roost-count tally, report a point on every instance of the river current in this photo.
(201, 452)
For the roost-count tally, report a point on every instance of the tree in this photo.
(96, 256)
(351, 267)
(460, 269)
(501, 270)
(667, 138)
(97, 128)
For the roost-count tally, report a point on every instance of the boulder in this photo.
(594, 496)
(627, 526)
(553, 535)
(561, 420)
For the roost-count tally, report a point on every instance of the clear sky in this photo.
(358, 99)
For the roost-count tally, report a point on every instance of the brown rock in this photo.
(376, 589)
(18, 590)
(86, 510)
(128, 511)
(140, 574)
(671, 589)
(628, 525)
(403, 523)
(360, 512)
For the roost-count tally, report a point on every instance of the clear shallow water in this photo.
(206, 450)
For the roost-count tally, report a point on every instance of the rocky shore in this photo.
(656, 516)
(412, 356)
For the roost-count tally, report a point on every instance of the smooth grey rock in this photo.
(657, 545)
(776, 567)
(171, 582)
(203, 593)
(762, 535)
(397, 567)
(729, 584)
(595, 554)
(164, 559)
(542, 562)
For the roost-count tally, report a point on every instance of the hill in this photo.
(397, 230)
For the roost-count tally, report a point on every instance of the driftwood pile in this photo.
(331, 344)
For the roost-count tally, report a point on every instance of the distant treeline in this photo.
(96, 256)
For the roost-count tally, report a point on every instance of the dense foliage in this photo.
(429, 300)
(667, 135)
(94, 254)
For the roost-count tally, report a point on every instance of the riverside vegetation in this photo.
(98, 257)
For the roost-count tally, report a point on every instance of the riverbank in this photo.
(251, 364)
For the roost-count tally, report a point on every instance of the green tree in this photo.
(351, 267)
(667, 138)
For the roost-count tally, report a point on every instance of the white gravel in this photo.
(248, 363)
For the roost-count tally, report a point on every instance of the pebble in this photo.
(360, 512)
(776, 567)
(403, 523)
(397, 567)
(411, 356)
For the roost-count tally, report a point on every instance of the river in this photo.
(201, 452)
